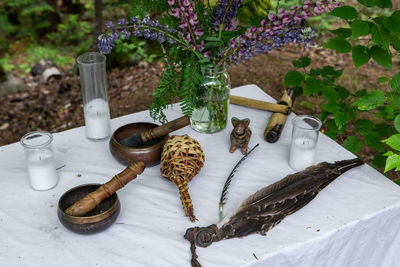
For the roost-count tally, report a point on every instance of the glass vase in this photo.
(210, 114)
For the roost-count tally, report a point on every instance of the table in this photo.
(355, 221)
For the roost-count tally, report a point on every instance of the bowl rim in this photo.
(87, 219)
(114, 141)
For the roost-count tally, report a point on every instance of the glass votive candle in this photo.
(40, 160)
(304, 141)
(92, 72)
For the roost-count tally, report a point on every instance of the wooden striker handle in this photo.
(257, 104)
(91, 200)
(165, 128)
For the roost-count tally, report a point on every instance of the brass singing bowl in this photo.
(149, 153)
(99, 219)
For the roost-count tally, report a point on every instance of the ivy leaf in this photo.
(371, 100)
(341, 119)
(393, 161)
(393, 141)
(392, 23)
(360, 55)
(342, 32)
(382, 56)
(313, 85)
(359, 28)
(380, 35)
(395, 83)
(344, 12)
(397, 123)
(364, 127)
(293, 78)
(338, 44)
(303, 62)
(353, 144)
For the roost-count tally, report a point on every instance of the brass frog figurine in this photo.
(240, 135)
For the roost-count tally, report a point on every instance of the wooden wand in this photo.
(91, 200)
(277, 120)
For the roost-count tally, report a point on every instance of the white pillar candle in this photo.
(302, 153)
(97, 119)
(41, 169)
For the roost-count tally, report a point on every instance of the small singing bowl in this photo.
(99, 219)
(149, 153)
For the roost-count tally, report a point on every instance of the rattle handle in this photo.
(165, 128)
(91, 200)
(257, 104)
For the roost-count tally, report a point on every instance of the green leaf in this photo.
(395, 83)
(380, 35)
(378, 161)
(397, 123)
(382, 56)
(359, 28)
(341, 119)
(364, 127)
(360, 55)
(371, 100)
(303, 62)
(330, 94)
(313, 85)
(393, 141)
(293, 78)
(338, 44)
(344, 12)
(382, 79)
(343, 92)
(353, 144)
(342, 32)
(392, 162)
(373, 141)
(360, 93)
(396, 42)
(392, 23)
(378, 3)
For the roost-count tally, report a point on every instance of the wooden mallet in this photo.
(91, 200)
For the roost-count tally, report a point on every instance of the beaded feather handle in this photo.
(181, 159)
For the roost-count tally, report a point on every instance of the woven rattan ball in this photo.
(181, 159)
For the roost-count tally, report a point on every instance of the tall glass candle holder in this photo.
(40, 160)
(92, 70)
(304, 142)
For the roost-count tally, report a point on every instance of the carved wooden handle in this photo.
(165, 128)
(257, 104)
(277, 120)
(91, 200)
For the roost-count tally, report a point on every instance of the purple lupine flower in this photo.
(225, 13)
(188, 21)
(105, 43)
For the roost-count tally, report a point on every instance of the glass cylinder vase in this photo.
(92, 70)
(210, 114)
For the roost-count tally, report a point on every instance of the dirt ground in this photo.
(57, 105)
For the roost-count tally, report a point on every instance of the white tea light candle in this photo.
(41, 169)
(40, 160)
(302, 153)
(304, 142)
(97, 119)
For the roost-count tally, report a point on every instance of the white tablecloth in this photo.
(355, 221)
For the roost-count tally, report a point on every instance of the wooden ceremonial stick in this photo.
(277, 120)
(141, 138)
(91, 200)
(257, 104)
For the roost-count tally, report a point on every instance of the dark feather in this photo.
(269, 206)
(228, 182)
